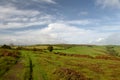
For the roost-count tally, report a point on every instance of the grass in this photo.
(45, 65)
(8, 58)
(43, 47)
(84, 50)
(96, 69)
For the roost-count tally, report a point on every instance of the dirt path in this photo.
(15, 73)
(33, 69)
(27, 68)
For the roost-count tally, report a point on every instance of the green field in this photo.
(65, 62)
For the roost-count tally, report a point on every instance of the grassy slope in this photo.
(84, 50)
(95, 69)
(49, 66)
(43, 47)
(117, 48)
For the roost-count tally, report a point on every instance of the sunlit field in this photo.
(59, 39)
(64, 62)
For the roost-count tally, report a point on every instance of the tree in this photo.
(6, 46)
(50, 48)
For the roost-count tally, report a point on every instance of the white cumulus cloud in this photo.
(53, 33)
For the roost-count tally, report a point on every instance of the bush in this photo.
(19, 48)
(6, 47)
(50, 48)
(14, 54)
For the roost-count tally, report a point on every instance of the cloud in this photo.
(108, 3)
(83, 13)
(24, 13)
(112, 39)
(99, 40)
(29, 14)
(53, 33)
(79, 22)
(26, 2)
(76, 22)
(10, 10)
(60, 33)
(11, 17)
(71, 34)
(48, 1)
(107, 28)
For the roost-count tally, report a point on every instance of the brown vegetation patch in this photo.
(107, 57)
(114, 66)
(15, 54)
(74, 55)
(84, 56)
(69, 74)
(96, 68)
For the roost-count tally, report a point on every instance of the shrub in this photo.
(19, 48)
(50, 48)
(6, 47)
(14, 54)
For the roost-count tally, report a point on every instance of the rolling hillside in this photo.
(73, 63)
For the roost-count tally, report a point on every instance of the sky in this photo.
(28, 22)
